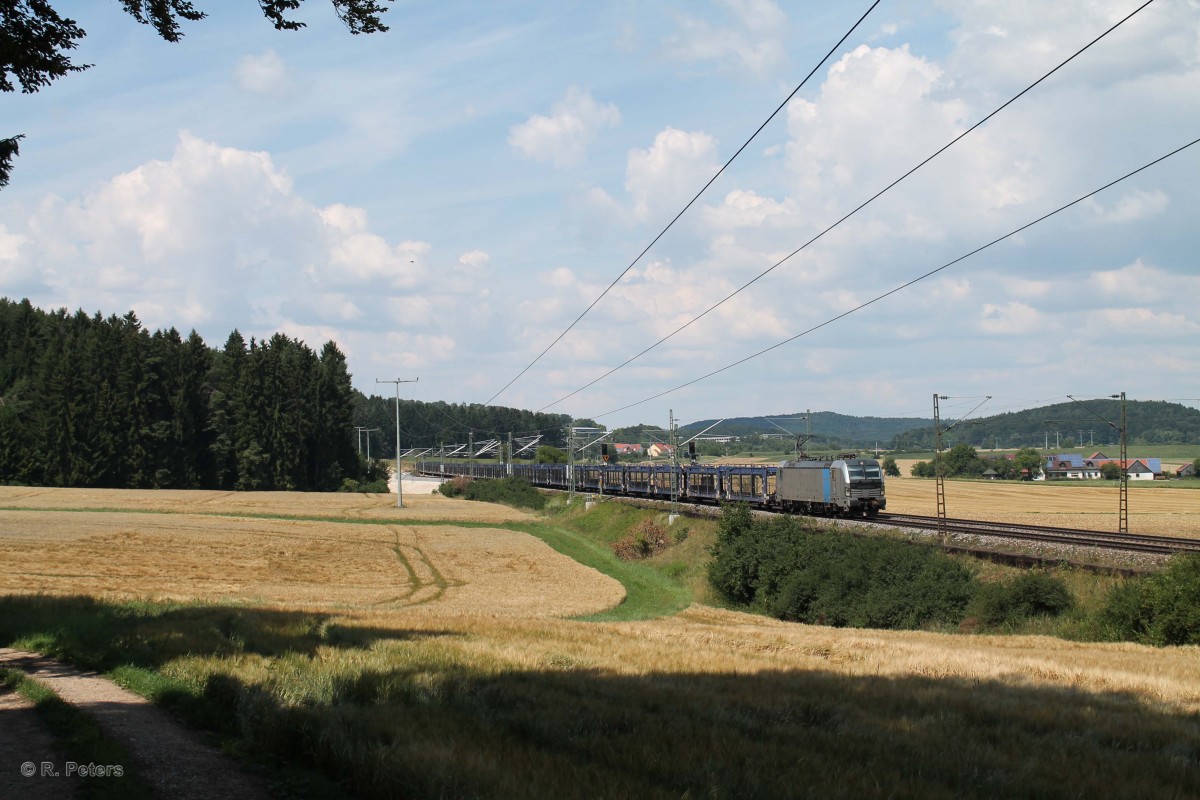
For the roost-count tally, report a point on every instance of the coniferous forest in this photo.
(101, 402)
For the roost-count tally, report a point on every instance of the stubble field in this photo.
(1156, 510)
(428, 651)
(227, 547)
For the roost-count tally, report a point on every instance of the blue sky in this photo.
(444, 199)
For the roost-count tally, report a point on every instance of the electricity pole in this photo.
(399, 482)
(368, 432)
(937, 468)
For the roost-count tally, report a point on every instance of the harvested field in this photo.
(1152, 510)
(346, 505)
(179, 555)
(704, 640)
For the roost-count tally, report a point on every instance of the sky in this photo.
(445, 199)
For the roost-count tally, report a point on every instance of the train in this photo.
(847, 486)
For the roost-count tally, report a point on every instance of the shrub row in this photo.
(516, 492)
(793, 571)
(790, 569)
(1162, 609)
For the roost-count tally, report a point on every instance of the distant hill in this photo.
(829, 429)
(1061, 424)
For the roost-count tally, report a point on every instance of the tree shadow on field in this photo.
(413, 721)
(424, 731)
(101, 635)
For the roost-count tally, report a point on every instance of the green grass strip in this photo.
(648, 593)
(81, 739)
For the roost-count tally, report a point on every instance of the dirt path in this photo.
(173, 760)
(24, 741)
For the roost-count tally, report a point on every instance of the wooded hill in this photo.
(1149, 422)
(830, 430)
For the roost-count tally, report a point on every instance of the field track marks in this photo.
(426, 582)
(171, 758)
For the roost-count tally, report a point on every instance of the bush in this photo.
(1034, 594)
(516, 492)
(456, 486)
(1162, 609)
(644, 540)
(793, 572)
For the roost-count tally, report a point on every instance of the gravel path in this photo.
(24, 740)
(170, 758)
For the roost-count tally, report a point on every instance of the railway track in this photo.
(1048, 535)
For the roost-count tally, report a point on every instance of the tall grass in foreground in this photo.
(474, 711)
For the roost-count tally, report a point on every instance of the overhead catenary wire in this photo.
(860, 207)
(905, 285)
(690, 203)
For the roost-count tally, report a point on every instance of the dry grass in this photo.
(1152, 510)
(293, 563)
(298, 504)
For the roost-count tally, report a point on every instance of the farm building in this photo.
(1071, 466)
(1186, 471)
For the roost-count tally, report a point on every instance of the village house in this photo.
(1071, 466)
(659, 450)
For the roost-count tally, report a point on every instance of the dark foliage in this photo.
(102, 402)
(1033, 594)
(1163, 609)
(429, 425)
(795, 572)
(516, 492)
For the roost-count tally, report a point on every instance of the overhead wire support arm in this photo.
(690, 203)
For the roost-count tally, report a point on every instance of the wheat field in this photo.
(196, 546)
(1157, 510)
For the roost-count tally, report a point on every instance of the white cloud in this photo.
(1010, 319)
(563, 136)
(1141, 283)
(743, 208)
(475, 259)
(1143, 322)
(215, 235)
(666, 175)
(263, 74)
(752, 42)
(875, 117)
(1131, 206)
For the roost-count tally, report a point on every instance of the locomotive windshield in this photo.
(864, 472)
